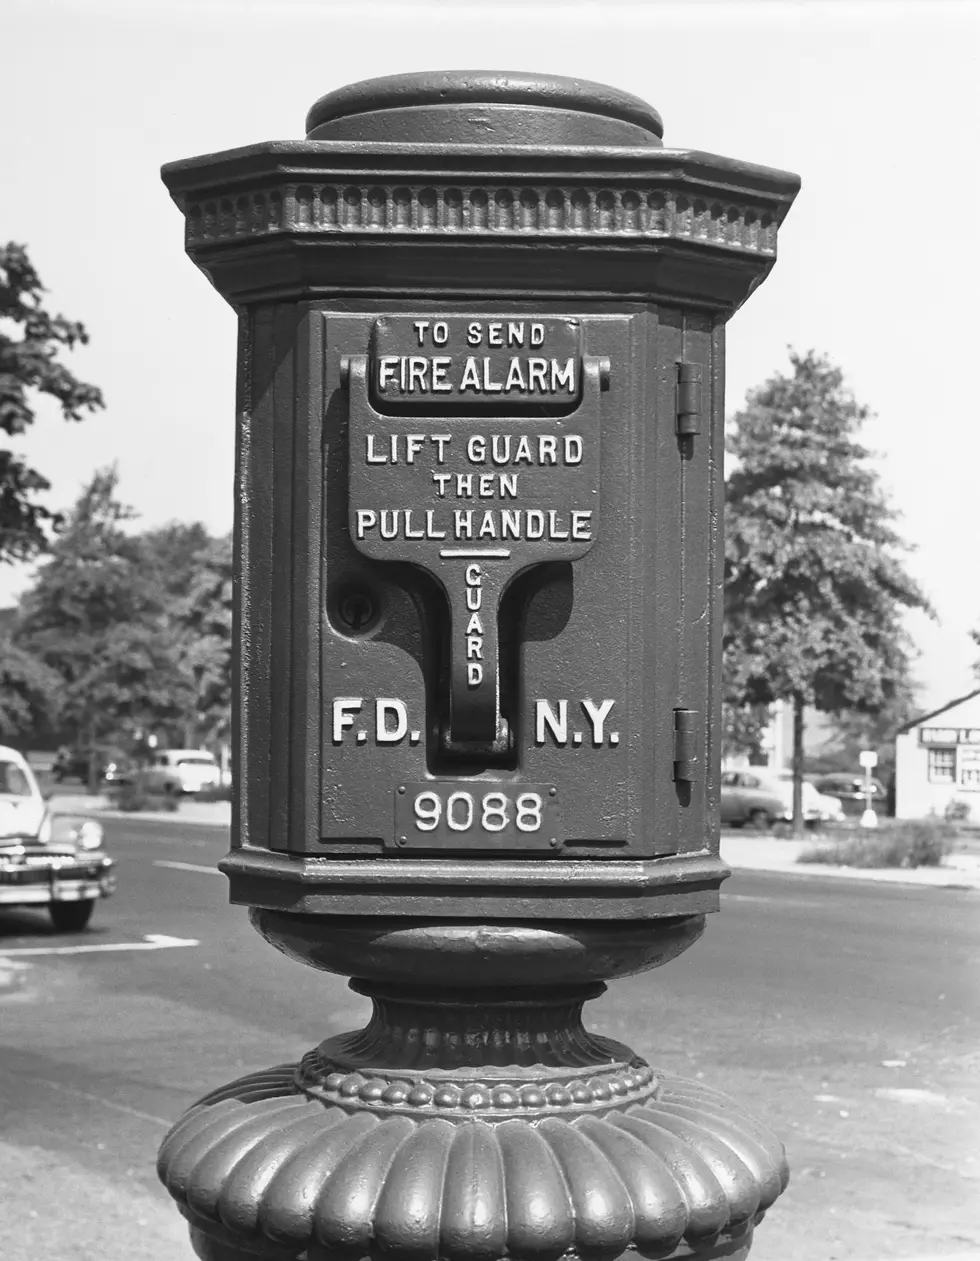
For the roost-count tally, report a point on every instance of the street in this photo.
(845, 1013)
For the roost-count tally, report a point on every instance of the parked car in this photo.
(54, 862)
(761, 800)
(849, 791)
(748, 799)
(179, 771)
(817, 807)
(119, 772)
(111, 766)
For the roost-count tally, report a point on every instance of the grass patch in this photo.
(920, 843)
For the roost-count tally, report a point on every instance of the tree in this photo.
(743, 726)
(29, 692)
(173, 554)
(815, 587)
(30, 341)
(97, 616)
(205, 620)
(193, 572)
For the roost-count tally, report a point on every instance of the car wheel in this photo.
(760, 820)
(71, 917)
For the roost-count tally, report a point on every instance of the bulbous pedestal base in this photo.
(470, 1126)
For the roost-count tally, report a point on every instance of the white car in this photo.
(760, 798)
(181, 771)
(817, 806)
(54, 862)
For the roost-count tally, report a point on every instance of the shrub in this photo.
(214, 794)
(132, 799)
(958, 811)
(921, 843)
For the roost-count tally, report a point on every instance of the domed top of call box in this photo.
(491, 107)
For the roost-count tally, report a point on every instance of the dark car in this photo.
(111, 766)
(849, 791)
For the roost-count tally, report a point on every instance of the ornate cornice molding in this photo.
(304, 219)
(554, 212)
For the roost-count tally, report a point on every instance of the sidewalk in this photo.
(763, 853)
(207, 813)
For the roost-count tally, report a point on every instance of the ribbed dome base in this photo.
(425, 1136)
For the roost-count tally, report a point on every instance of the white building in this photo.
(937, 762)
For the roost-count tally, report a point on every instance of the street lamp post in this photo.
(477, 613)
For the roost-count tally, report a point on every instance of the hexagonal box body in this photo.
(480, 497)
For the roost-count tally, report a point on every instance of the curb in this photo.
(153, 816)
(939, 879)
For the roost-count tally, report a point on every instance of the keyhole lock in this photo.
(356, 610)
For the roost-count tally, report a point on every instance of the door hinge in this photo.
(688, 399)
(685, 744)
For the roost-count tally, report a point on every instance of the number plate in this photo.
(474, 815)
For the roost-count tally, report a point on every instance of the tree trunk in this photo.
(797, 765)
(92, 768)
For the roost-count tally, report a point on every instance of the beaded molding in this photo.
(597, 1092)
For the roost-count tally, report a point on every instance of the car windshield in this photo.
(202, 760)
(13, 781)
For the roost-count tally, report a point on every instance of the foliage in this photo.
(922, 843)
(814, 585)
(29, 692)
(30, 341)
(742, 728)
(171, 556)
(958, 810)
(194, 571)
(96, 616)
(221, 793)
(204, 617)
(136, 628)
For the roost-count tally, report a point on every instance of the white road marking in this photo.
(909, 1095)
(152, 941)
(85, 1094)
(208, 871)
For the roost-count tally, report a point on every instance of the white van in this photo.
(181, 771)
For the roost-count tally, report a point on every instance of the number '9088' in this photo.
(464, 811)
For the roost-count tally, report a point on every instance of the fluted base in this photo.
(470, 1127)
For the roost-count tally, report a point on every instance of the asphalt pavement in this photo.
(846, 1013)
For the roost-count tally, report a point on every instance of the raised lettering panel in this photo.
(460, 364)
(589, 644)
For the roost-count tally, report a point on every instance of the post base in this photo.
(470, 1127)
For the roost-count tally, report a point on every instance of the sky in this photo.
(873, 102)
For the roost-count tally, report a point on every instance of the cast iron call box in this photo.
(479, 496)
(478, 597)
